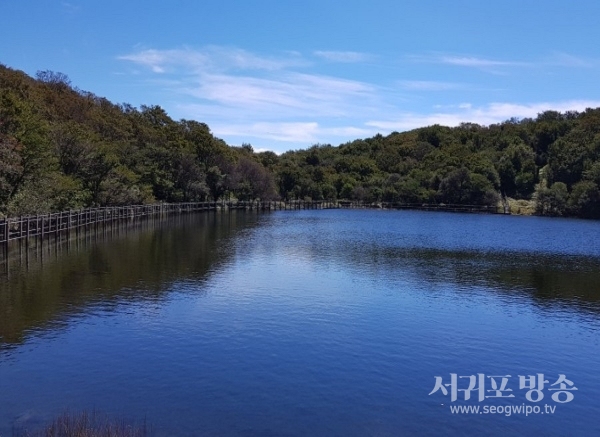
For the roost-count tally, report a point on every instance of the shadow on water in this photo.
(316, 321)
(549, 281)
(409, 247)
(44, 283)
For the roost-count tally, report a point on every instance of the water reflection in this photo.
(562, 271)
(45, 283)
(302, 323)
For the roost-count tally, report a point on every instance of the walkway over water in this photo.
(46, 225)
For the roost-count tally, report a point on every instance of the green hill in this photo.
(63, 148)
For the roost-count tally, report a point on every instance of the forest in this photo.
(63, 148)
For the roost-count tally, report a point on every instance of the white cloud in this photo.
(349, 57)
(488, 65)
(249, 85)
(299, 132)
(277, 101)
(557, 59)
(429, 85)
(290, 132)
(286, 95)
(211, 58)
(245, 60)
(567, 60)
(484, 115)
(470, 61)
(70, 8)
(159, 60)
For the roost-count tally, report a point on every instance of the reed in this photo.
(87, 424)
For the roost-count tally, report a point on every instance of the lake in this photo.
(310, 323)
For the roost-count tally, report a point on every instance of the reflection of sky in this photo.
(300, 330)
(50, 285)
(506, 253)
(443, 231)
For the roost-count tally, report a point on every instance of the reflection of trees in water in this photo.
(46, 284)
(141, 262)
(567, 281)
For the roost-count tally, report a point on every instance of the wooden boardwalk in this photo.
(47, 225)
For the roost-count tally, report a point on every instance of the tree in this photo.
(10, 169)
(54, 78)
(454, 187)
(566, 160)
(250, 180)
(552, 201)
(24, 133)
(517, 170)
(585, 199)
(216, 182)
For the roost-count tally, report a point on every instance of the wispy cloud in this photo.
(489, 65)
(289, 132)
(160, 60)
(336, 56)
(71, 8)
(242, 94)
(483, 115)
(429, 85)
(567, 60)
(560, 59)
(471, 61)
(229, 57)
(283, 100)
(239, 79)
(304, 132)
(289, 94)
(211, 58)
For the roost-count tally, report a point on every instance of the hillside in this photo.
(63, 148)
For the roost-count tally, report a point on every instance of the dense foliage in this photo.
(63, 148)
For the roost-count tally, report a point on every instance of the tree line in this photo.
(64, 148)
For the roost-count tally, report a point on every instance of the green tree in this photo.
(552, 201)
(585, 199)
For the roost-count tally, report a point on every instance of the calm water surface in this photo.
(305, 323)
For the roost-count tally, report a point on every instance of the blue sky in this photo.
(284, 75)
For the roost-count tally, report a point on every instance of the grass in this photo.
(87, 425)
(521, 207)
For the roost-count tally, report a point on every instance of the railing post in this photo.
(6, 231)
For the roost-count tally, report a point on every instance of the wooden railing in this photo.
(41, 226)
(17, 228)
